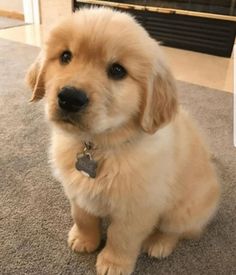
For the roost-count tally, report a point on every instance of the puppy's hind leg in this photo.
(160, 244)
(187, 220)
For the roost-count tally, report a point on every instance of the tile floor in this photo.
(202, 69)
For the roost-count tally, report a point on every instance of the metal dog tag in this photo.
(86, 165)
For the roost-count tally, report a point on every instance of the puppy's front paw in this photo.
(80, 242)
(108, 264)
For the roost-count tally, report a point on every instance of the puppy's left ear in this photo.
(35, 78)
(160, 103)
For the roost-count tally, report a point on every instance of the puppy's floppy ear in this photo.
(35, 78)
(160, 103)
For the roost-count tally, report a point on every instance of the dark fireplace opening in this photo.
(226, 7)
(197, 25)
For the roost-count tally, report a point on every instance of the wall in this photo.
(12, 5)
(54, 10)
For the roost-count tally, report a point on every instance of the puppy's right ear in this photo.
(35, 78)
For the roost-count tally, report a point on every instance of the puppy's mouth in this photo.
(71, 118)
(68, 120)
(77, 120)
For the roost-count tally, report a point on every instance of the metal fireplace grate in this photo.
(202, 34)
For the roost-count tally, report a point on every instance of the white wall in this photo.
(53, 10)
(12, 5)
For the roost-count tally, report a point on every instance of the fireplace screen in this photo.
(224, 7)
(207, 26)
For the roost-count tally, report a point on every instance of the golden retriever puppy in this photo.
(121, 146)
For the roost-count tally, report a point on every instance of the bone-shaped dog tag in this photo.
(86, 165)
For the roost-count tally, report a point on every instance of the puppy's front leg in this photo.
(124, 239)
(85, 234)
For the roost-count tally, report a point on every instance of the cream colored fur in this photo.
(155, 180)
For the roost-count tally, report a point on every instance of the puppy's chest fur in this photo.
(125, 176)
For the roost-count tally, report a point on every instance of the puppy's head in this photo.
(100, 71)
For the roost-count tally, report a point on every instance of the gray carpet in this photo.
(6, 22)
(35, 215)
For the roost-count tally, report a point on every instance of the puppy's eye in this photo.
(116, 71)
(65, 57)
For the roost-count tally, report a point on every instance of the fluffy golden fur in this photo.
(155, 181)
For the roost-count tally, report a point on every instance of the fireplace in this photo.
(188, 24)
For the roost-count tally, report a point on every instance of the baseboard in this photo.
(12, 14)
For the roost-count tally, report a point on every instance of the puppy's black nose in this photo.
(71, 99)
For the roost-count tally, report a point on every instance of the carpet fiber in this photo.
(9, 22)
(35, 215)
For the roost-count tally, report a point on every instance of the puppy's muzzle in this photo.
(71, 99)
